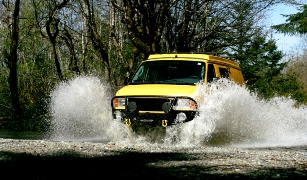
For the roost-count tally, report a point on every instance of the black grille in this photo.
(149, 104)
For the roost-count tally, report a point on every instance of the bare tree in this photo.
(73, 64)
(145, 22)
(51, 27)
(188, 25)
(95, 36)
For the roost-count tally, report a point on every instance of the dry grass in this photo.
(298, 66)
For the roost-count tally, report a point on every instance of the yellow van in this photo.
(160, 92)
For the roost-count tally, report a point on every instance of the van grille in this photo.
(149, 104)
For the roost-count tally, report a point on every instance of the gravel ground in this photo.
(43, 159)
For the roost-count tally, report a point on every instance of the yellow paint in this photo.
(157, 90)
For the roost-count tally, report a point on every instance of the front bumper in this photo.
(154, 111)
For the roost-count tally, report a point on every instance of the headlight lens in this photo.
(119, 103)
(185, 104)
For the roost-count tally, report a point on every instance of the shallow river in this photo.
(230, 116)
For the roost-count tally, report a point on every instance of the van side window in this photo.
(224, 73)
(210, 73)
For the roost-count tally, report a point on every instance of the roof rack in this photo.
(210, 53)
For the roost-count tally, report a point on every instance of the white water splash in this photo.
(230, 115)
(81, 111)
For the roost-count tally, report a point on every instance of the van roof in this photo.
(207, 57)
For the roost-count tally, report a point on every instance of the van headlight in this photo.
(185, 105)
(119, 103)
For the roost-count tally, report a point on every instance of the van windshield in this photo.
(169, 72)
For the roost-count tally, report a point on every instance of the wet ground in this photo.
(44, 159)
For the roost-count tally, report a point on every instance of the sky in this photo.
(285, 43)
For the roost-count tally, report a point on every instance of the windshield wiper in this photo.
(168, 81)
(175, 81)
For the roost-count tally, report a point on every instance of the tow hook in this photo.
(164, 123)
(128, 122)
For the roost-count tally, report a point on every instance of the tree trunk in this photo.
(73, 64)
(84, 42)
(56, 60)
(12, 60)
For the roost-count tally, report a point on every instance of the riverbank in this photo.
(42, 159)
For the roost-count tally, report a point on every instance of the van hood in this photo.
(157, 90)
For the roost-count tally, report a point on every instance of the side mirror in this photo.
(126, 80)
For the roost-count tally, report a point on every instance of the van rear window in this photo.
(224, 72)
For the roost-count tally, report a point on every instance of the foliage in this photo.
(297, 68)
(262, 68)
(295, 23)
(262, 61)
